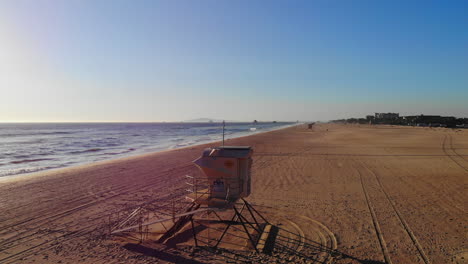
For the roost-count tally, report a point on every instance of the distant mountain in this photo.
(207, 120)
(204, 120)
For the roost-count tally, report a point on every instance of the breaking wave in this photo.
(25, 170)
(27, 160)
(86, 151)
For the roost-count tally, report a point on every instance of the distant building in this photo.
(433, 120)
(387, 116)
(415, 120)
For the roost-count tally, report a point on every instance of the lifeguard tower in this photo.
(224, 182)
(226, 172)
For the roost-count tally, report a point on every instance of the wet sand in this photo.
(386, 194)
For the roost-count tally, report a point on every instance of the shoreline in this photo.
(52, 171)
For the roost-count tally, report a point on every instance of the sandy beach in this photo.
(378, 194)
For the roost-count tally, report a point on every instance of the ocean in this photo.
(31, 147)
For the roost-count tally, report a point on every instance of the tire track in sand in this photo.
(311, 239)
(95, 225)
(27, 234)
(453, 149)
(378, 231)
(444, 148)
(328, 239)
(401, 219)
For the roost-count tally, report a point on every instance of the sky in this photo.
(150, 61)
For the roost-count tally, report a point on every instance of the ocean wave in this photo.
(205, 138)
(86, 151)
(14, 142)
(118, 153)
(24, 170)
(183, 144)
(21, 156)
(27, 161)
(45, 153)
(35, 134)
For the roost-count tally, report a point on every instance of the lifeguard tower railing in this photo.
(198, 189)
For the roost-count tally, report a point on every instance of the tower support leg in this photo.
(245, 228)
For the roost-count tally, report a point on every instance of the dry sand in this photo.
(387, 194)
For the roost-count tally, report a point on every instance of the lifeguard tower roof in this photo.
(229, 152)
(235, 147)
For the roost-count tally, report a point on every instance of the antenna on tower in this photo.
(224, 124)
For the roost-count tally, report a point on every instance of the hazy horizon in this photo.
(169, 61)
(181, 121)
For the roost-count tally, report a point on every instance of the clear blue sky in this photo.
(237, 60)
